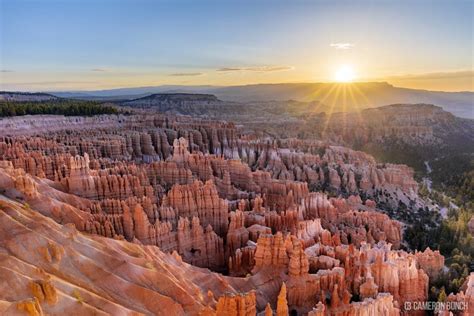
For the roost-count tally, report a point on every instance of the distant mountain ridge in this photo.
(26, 96)
(341, 97)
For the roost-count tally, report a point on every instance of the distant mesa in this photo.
(179, 103)
(178, 97)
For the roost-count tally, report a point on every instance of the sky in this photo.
(56, 45)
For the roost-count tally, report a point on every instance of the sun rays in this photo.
(340, 97)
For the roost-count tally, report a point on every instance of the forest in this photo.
(452, 237)
(56, 107)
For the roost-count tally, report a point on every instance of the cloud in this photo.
(342, 45)
(436, 75)
(6, 70)
(99, 69)
(229, 69)
(186, 74)
(256, 69)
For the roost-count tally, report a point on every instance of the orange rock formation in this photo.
(147, 213)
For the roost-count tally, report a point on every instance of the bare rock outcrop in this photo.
(155, 203)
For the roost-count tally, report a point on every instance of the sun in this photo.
(345, 73)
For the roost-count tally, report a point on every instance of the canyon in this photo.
(161, 213)
(236, 158)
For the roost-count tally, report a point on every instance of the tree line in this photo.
(56, 107)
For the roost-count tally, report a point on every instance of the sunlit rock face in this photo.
(159, 214)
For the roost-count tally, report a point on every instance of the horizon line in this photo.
(229, 86)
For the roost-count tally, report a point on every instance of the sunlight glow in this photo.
(345, 73)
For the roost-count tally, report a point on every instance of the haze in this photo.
(79, 45)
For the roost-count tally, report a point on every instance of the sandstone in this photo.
(240, 305)
(282, 303)
(30, 306)
(142, 214)
(432, 262)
